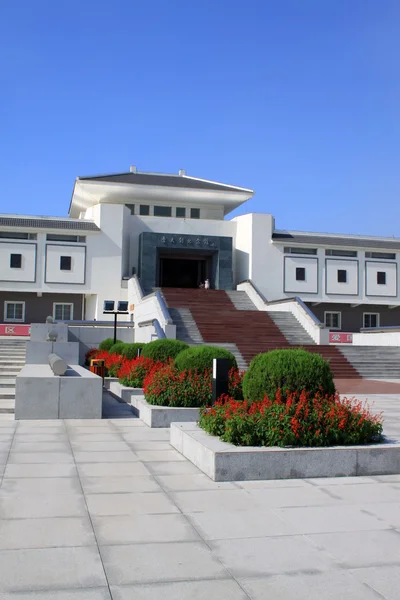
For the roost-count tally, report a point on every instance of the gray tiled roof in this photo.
(325, 240)
(38, 223)
(163, 180)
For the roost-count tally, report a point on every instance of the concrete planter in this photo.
(153, 416)
(225, 462)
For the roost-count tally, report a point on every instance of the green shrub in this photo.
(200, 358)
(289, 371)
(163, 350)
(117, 348)
(106, 344)
(131, 350)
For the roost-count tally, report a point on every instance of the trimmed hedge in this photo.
(106, 344)
(117, 348)
(289, 371)
(200, 358)
(131, 350)
(163, 350)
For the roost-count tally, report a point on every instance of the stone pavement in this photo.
(93, 510)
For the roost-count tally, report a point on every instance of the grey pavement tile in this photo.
(146, 563)
(80, 431)
(152, 445)
(333, 585)
(83, 594)
(385, 580)
(296, 496)
(388, 512)
(3, 457)
(172, 468)
(7, 423)
(22, 432)
(240, 524)
(42, 437)
(33, 506)
(45, 533)
(159, 455)
(196, 481)
(215, 501)
(5, 447)
(387, 478)
(326, 519)
(127, 469)
(95, 437)
(41, 470)
(41, 446)
(181, 590)
(105, 457)
(361, 548)
(110, 446)
(50, 568)
(76, 423)
(143, 529)
(40, 457)
(272, 483)
(145, 434)
(129, 504)
(112, 485)
(365, 494)
(39, 423)
(46, 486)
(270, 556)
(327, 481)
(6, 438)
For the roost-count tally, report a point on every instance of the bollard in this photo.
(220, 379)
(57, 364)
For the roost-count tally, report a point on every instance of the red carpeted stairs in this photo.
(252, 331)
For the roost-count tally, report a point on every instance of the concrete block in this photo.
(36, 393)
(40, 331)
(225, 462)
(124, 392)
(80, 394)
(38, 352)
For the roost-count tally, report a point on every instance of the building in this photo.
(172, 231)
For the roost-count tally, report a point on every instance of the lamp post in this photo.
(122, 309)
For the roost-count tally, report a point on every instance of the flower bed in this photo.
(302, 420)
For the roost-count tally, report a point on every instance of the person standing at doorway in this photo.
(207, 284)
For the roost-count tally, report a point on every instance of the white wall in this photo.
(384, 338)
(299, 287)
(53, 272)
(27, 272)
(372, 287)
(332, 286)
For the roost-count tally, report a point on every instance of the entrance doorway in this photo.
(183, 271)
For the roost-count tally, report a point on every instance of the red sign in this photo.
(24, 330)
(336, 337)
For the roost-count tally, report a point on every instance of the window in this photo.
(371, 320)
(342, 276)
(18, 235)
(333, 320)
(181, 212)
(131, 207)
(162, 211)
(300, 274)
(351, 253)
(195, 213)
(63, 312)
(144, 210)
(65, 263)
(384, 255)
(14, 311)
(381, 278)
(15, 261)
(300, 250)
(55, 237)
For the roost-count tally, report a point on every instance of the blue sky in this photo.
(297, 99)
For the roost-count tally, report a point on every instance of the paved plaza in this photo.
(93, 510)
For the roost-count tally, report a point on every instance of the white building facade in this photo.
(175, 231)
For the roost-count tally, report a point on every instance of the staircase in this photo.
(12, 359)
(230, 318)
(291, 328)
(374, 362)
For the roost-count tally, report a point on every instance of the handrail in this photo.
(310, 313)
(164, 308)
(156, 324)
(253, 285)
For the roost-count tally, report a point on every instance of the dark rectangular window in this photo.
(351, 253)
(56, 237)
(381, 278)
(342, 276)
(15, 235)
(144, 210)
(181, 212)
(195, 213)
(162, 211)
(300, 274)
(371, 320)
(65, 263)
(384, 255)
(292, 250)
(15, 261)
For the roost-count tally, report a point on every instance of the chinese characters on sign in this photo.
(24, 330)
(340, 338)
(188, 241)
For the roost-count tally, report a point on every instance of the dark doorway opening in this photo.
(182, 272)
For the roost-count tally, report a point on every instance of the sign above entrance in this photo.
(188, 241)
(340, 338)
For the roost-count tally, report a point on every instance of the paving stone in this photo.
(144, 434)
(104, 457)
(46, 486)
(41, 447)
(41, 470)
(22, 431)
(40, 457)
(52, 568)
(272, 483)
(127, 469)
(324, 586)
(143, 529)
(129, 504)
(385, 580)
(109, 446)
(23, 424)
(42, 437)
(297, 496)
(254, 557)
(83, 594)
(152, 445)
(112, 485)
(231, 524)
(183, 590)
(45, 533)
(159, 455)
(95, 437)
(388, 512)
(215, 501)
(365, 494)
(3, 457)
(361, 548)
(160, 562)
(32, 506)
(171, 468)
(325, 519)
(197, 481)
(98, 430)
(5, 447)
(339, 481)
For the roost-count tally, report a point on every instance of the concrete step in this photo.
(6, 393)
(7, 383)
